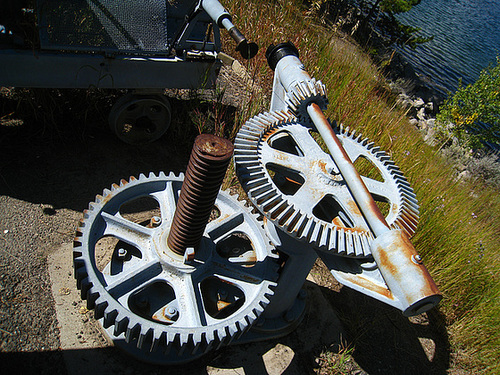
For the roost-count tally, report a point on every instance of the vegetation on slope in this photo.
(472, 113)
(458, 234)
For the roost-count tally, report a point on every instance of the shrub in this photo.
(472, 114)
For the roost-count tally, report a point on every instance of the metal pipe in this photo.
(368, 207)
(223, 19)
(398, 261)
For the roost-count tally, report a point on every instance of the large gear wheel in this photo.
(297, 185)
(159, 301)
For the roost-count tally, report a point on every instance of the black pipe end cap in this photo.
(247, 49)
(275, 53)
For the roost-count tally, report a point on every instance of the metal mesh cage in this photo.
(109, 25)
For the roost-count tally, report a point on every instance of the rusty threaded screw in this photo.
(206, 169)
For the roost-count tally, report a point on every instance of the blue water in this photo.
(466, 40)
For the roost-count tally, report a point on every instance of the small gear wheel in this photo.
(296, 184)
(166, 307)
(302, 94)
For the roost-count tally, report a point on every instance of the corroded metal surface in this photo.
(362, 196)
(206, 170)
(408, 279)
(299, 187)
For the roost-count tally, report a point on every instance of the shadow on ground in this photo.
(385, 342)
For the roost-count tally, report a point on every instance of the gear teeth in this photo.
(279, 208)
(158, 340)
(145, 339)
(79, 272)
(332, 243)
(85, 286)
(303, 93)
(323, 238)
(118, 317)
(197, 347)
(91, 298)
(77, 242)
(100, 308)
(121, 323)
(109, 318)
(132, 333)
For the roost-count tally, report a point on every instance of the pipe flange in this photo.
(296, 184)
(157, 300)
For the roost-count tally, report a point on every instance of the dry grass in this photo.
(458, 234)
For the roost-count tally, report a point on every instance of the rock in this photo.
(430, 137)
(431, 123)
(429, 107)
(419, 102)
(421, 114)
(414, 122)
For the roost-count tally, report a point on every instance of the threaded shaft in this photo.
(206, 169)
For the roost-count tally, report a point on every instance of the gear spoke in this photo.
(125, 230)
(376, 187)
(238, 274)
(306, 141)
(166, 199)
(308, 194)
(159, 299)
(133, 278)
(223, 225)
(192, 313)
(285, 159)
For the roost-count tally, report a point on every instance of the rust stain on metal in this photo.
(354, 208)
(270, 133)
(322, 166)
(206, 169)
(213, 146)
(370, 285)
(394, 209)
(402, 249)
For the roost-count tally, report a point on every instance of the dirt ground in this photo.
(49, 174)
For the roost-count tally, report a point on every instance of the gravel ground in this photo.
(47, 178)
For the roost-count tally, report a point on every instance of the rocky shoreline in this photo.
(422, 103)
(419, 98)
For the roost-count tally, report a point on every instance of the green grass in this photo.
(458, 234)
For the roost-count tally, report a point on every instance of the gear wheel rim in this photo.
(283, 211)
(154, 336)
